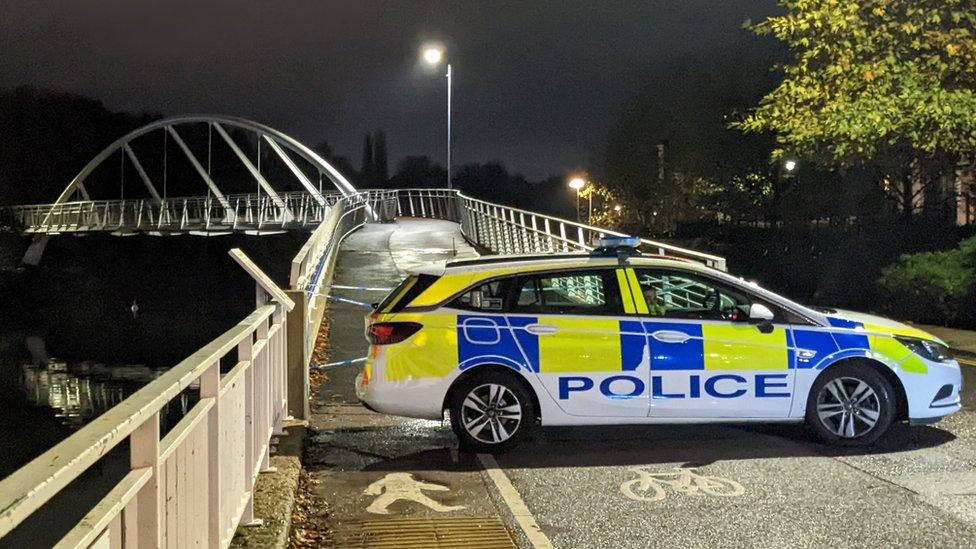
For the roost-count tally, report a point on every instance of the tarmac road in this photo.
(743, 486)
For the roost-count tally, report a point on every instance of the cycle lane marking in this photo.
(513, 500)
(650, 485)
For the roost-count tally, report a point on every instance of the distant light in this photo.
(577, 183)
(433, 55)
(790, 165)
(617, 208)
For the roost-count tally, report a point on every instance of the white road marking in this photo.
(515, 504)
(649, 485)
(396, 486)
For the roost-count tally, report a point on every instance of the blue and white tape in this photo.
(350, 301)
(358, 288)
(337, 364)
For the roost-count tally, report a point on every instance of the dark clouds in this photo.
(538, 84)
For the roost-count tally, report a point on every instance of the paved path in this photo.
(917, 489)
(959, 340)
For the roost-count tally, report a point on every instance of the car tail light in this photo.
(387, 333)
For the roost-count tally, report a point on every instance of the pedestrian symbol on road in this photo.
(396, 486)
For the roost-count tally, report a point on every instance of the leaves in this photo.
(873, 79)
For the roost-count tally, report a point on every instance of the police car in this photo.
(506, 343)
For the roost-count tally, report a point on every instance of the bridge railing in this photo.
(311, 269)
(508, 230)
(311, 272)
(193, 486)
(231, 212)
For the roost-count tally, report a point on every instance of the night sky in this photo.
(537, 84)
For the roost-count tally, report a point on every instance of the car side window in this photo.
(675, 294)
(487, 297)
(577, 292)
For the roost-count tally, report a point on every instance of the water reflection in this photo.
(79, 392)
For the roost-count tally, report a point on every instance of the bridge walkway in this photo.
(914, 489)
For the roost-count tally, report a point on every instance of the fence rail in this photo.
(507, 230)
(236, 212)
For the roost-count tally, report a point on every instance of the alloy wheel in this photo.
(848, 407)
(491, 413)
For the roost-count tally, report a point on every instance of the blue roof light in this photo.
(613, 242)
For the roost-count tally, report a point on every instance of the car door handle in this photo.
(541, 329)
(670, 336)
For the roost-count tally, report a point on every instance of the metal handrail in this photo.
(506, 229)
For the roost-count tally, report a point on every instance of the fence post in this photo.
(210, 388)
(144, 452)
(298, 358)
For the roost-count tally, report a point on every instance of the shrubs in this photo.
(933, 287)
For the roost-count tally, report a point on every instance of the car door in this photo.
(589, 354)
(707, 358)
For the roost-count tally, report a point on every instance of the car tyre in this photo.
(491, 411)
(851, 404)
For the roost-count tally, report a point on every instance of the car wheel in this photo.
(851, 405)
(491, 412)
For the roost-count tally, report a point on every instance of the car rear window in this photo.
(405, 292)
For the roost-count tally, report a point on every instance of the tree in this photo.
(418, 172)
(381, 169)
(368, 170)
(888, 82)
(340, 163)
(686, 106)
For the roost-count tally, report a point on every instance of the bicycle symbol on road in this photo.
(649, 485)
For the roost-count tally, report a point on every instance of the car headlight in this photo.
(924, 348)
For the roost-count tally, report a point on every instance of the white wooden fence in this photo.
(193, 486)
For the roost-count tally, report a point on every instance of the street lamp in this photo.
(790, 165)
(577, 183)
(433, 55)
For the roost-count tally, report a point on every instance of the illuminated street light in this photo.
(577, 183)
(433, 55)
(790, 165)
(617, 208)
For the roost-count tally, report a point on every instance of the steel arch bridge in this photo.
(271, 207)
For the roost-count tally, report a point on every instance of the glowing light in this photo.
(617, 208)
(433, 55)
(790, 165)
(577, 183)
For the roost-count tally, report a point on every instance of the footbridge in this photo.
(193, 484)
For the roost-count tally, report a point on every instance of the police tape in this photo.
(350, 301)
(359, 288)
(336, 364)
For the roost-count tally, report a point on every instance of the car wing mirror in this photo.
(762, 317)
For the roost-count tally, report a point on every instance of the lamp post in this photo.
(577, 183)
(433, 55)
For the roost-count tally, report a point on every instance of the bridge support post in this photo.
(298, 356)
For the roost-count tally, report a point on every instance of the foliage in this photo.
(886, 81)
(685, 109)
(931, 286)
(418, 172)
